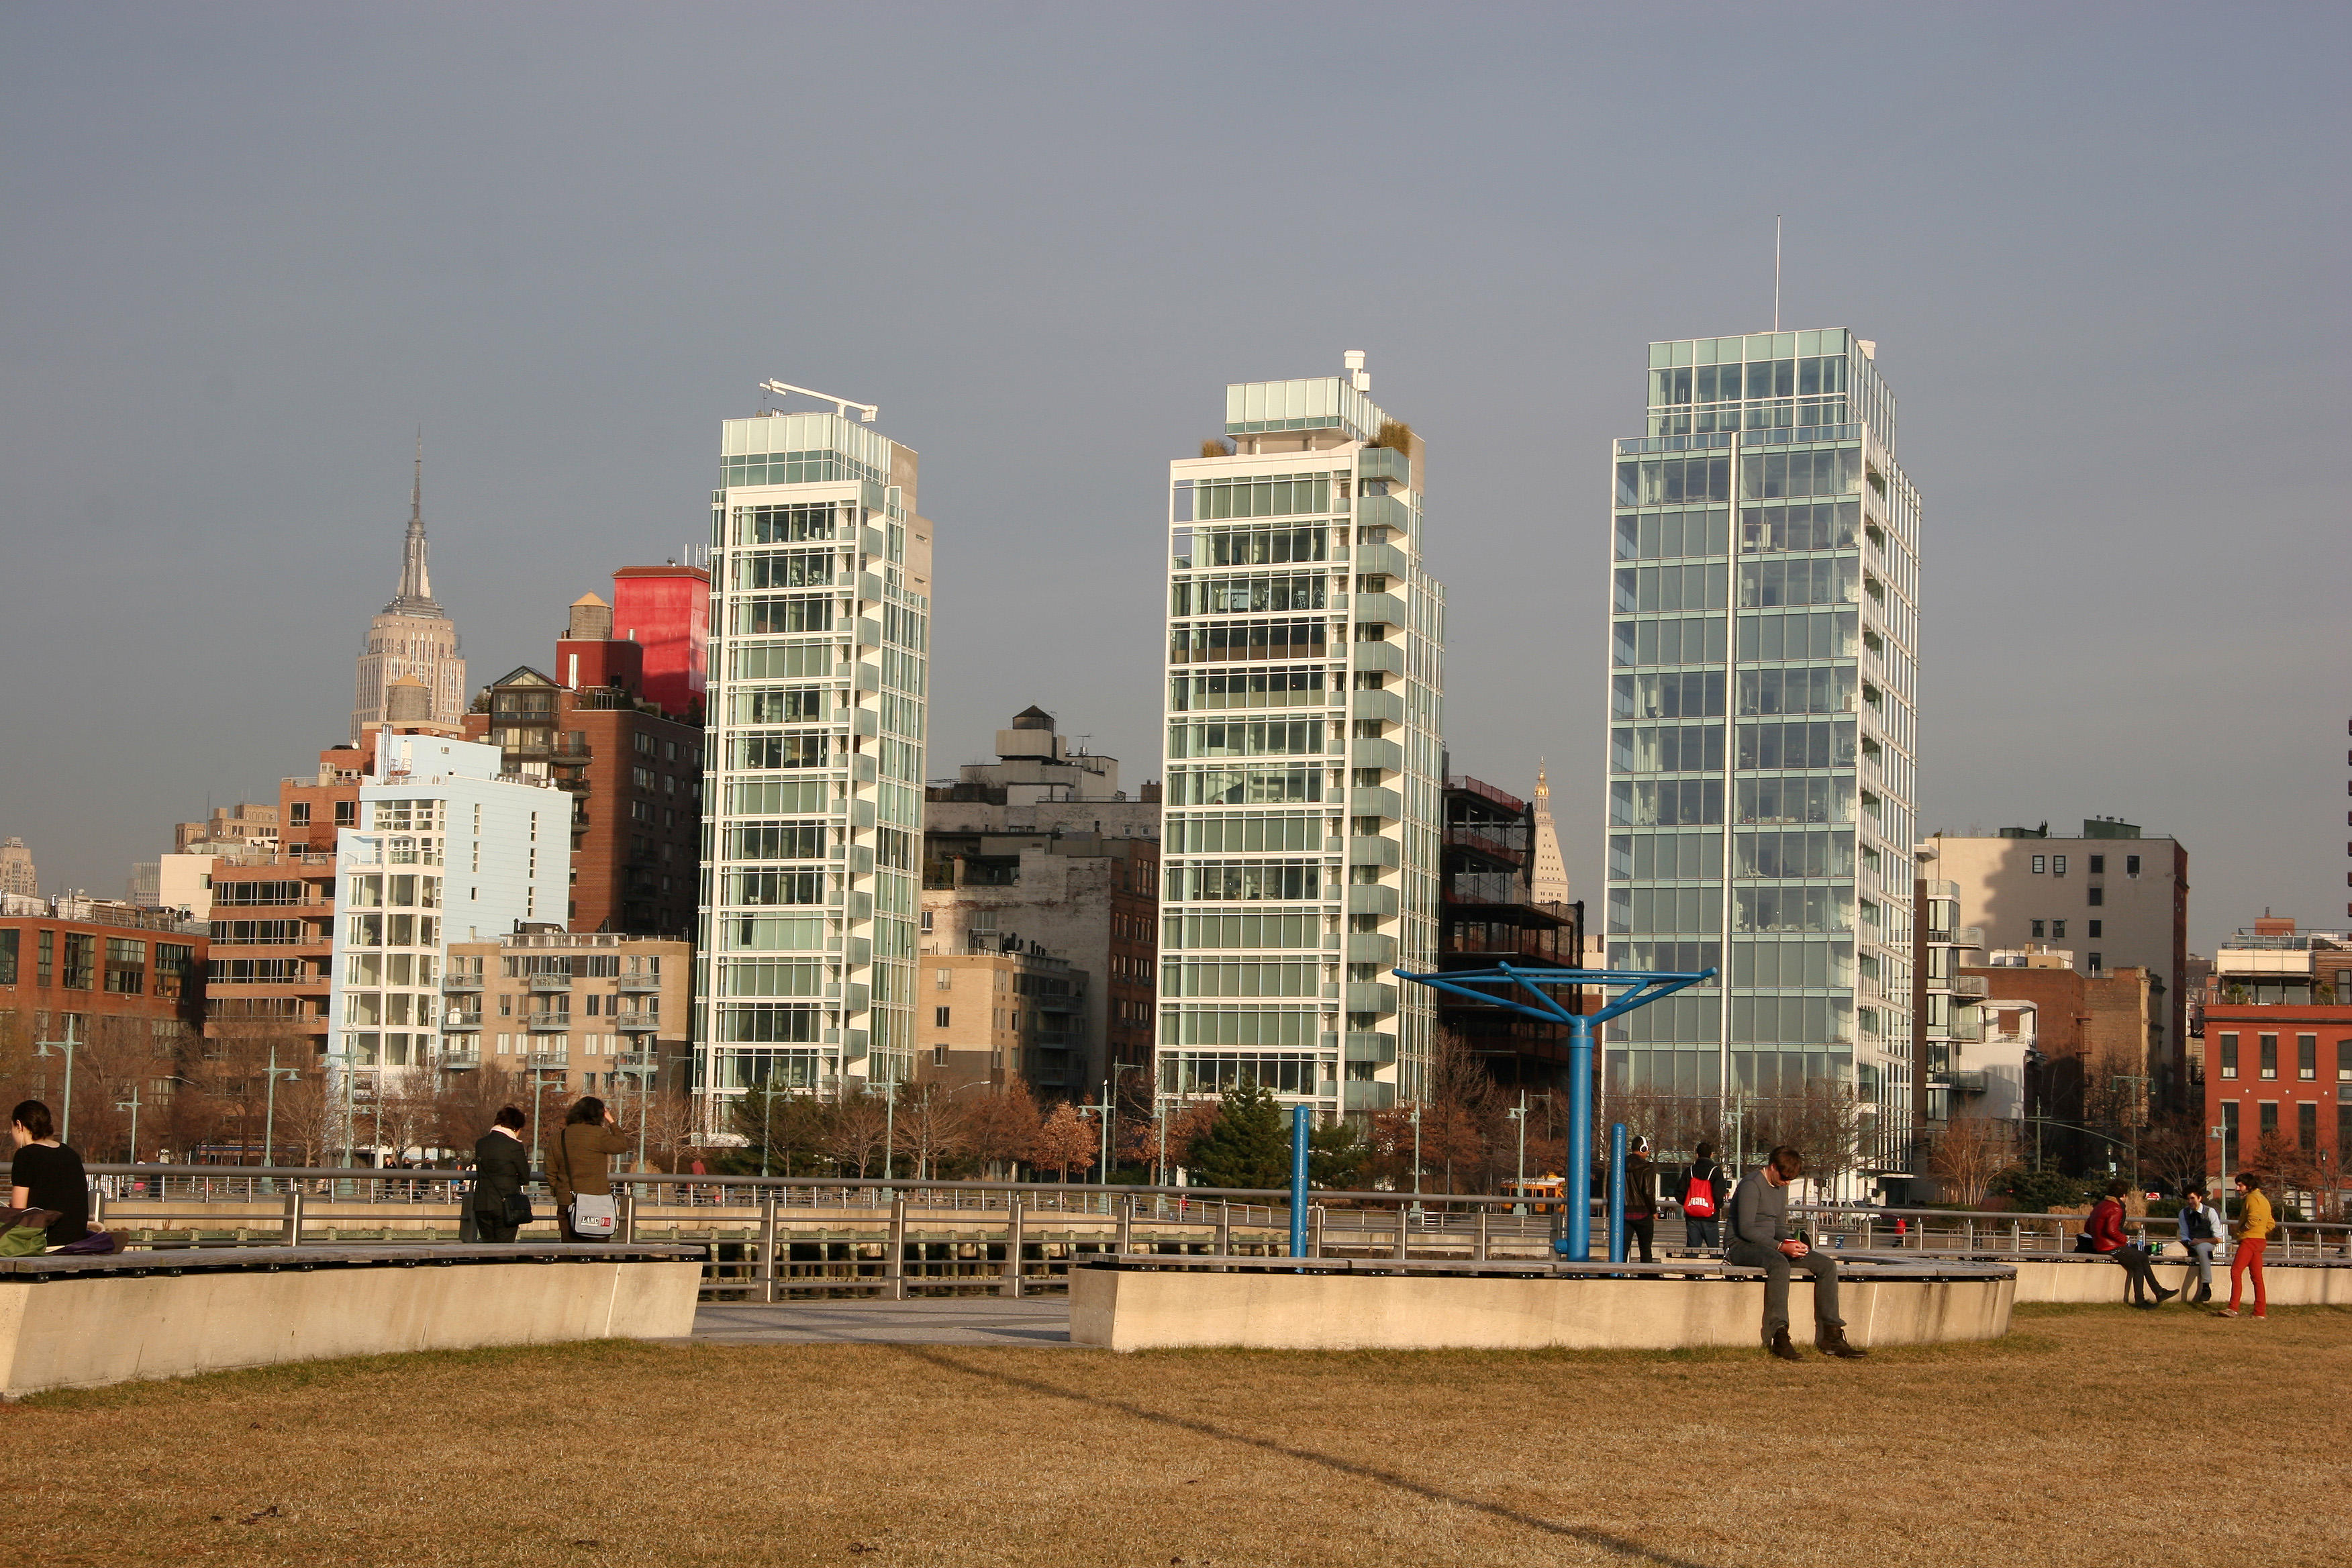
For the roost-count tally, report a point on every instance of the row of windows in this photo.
(783, 524)
(1246, 738)
(1760, 909)
(1244, 831)
(1688, 802)
(1257, 689)
(1699, 694)
(1705, 531)
(1274, 785)
(1250, 595)
(1275, 495)
(2266, 1056)
(1202, 933)
(783, 569)
(1248, 546)
(1228, 880)
(1255, 641)
(1812, 377)
(2055, 864)
(1698, 748)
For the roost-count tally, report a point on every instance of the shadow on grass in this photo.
(1616, 1546)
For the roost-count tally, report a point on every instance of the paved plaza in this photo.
(943, 1321)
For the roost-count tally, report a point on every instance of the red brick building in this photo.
(635, 775)
(2276, 1017)
(665, 611)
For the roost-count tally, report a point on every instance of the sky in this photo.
(250, 249)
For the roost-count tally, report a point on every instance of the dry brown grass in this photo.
(2074, 1441)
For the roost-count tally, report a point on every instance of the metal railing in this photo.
(774, 1238)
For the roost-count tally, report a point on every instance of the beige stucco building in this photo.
(584, 1012)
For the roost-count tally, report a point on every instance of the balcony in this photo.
(546, 1022)
(1367, 850)
(1370, 997)
(1357, 1095)
(550, 982)
(457, 984)
(462, 1020)
(1367, 800)
(1370, 1047)
(460, 1061)
(640, 985)
(1386, 656)
(1383, 463)
(637, 1023)
(1371, 899)
(540, 1061)
(1386, 705)
(1379, 610)
(1386, 756)
(1370, 947)
(1971, 985)
(638, 1062)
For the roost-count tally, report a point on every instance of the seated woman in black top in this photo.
(47, 1174)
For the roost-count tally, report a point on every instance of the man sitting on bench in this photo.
(1759, 1240)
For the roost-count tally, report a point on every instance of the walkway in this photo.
(947, 1320)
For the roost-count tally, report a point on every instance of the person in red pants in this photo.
(2252, 1228)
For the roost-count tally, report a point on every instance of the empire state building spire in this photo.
(411, 640)
(415, 597)
(1547, 879)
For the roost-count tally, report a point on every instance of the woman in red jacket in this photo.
(2107, 1236)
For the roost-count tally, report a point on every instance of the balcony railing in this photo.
(639, 984)
(459, 982)
(547, 1021)
(550, 982)
(638, 1023)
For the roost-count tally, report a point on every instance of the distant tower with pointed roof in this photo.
(411, 638)
(1548, 881)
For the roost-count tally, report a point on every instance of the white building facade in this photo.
(446, 850)
(813, 797)
(1304, 756)
(1760, 773)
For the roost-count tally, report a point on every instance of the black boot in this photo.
(1830, 1340)
(1781, 1347)
(2163, 1295)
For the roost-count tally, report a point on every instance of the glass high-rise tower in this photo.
(1304, 754)
(1764, 636)
(813, 793)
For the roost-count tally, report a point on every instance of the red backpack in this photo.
(1698, 1198)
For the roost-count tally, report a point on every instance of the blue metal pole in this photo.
(1576, 1194)
(1616, 1191)
(1301, 1124)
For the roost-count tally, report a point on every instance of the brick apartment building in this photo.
(633, 769)
(2277, 1021)
(573, 1012)
(125, 986)
(2100, 1041)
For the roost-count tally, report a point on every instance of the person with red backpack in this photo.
(1703, 1198)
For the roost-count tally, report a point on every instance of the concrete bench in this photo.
(78, 1322)
(1148, 1302)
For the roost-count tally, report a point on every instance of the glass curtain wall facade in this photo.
(820, 631)
(1304, 807)
(1761, 736)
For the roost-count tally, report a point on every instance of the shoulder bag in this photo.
(593, 1216)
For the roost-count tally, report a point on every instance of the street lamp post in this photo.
(1416, 1148)
(270, 1110)
(1105, 1108)
(65, 1117)
(1518, 1113)
(130, 1105)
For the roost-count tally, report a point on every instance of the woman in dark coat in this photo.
(501, 1170)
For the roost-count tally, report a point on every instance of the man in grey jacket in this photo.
(1759, 1238)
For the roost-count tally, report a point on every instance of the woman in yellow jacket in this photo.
(2252, 1228)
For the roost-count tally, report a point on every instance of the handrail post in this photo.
(293, 1224)
(895, 1273)
(768, 1231)
(1012, 1245)
(628, 1216)
(1225, 1228)
(1315, 1230)
(1403, 1236)
(1126, 1225)
(1482, 1213)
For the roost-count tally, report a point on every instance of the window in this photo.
(926, 922)
(347, 813)
(2266, 1126)
(2306, 1057)
(2229, 1055)
(2306, 1126)
(81, 961)
(2040, 928)
(2230, 1119)
(2098, 896)
(939, 1017)
(2099, 864)
(2041, 864)
(2098, 928)
(2058, 930)
(2131, 865)
(939, 1056)
(2057, 865)
(298, 814)
(2098, 963)
(942, 979)
(2343, 1073)
(2268, 1044)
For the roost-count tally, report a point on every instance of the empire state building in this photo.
(411, 638)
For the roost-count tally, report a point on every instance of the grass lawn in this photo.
(2076, 1440)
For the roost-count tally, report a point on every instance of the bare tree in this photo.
(2175, 1151)
(933, 1125)
(855, 1127)
(1969, 1153)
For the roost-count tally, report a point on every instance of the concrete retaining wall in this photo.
(1127, 1309)
(2099, 1280)
(79, 1333)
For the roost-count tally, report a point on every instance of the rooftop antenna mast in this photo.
(841, 406)
(1776, 272)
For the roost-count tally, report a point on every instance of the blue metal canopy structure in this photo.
(1528, 990)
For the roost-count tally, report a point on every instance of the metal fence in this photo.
(774, 1238)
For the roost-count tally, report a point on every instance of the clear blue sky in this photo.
(249, 249)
